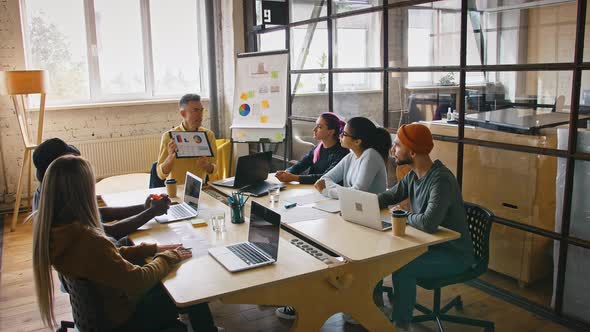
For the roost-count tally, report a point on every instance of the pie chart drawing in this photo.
(244, 109)
(197, 139)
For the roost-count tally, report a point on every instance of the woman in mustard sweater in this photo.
(69, 237)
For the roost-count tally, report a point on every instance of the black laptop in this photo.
(251, 172)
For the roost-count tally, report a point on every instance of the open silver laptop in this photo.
(262, 247)
(362, 208)
(189, 208)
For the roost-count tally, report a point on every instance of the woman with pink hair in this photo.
(321, 158)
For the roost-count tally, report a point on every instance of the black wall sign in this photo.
(274, 12)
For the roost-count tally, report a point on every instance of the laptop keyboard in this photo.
(179, 211)
(247, 254)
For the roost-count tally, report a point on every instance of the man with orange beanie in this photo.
(436, 201)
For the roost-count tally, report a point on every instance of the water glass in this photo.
(218, 221)
(274, 193)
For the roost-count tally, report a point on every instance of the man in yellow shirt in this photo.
(169, 167)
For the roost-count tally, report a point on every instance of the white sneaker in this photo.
(288, 313)
(386, 311)
(348, 318)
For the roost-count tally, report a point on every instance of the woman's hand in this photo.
(320, 185)
(285, 176)
(168, 247)
(184, 253)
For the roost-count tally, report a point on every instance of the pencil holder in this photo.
(237, 213)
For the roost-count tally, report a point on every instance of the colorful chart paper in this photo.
(190, 144)
(244, 109)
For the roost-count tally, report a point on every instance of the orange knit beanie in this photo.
(416, 137)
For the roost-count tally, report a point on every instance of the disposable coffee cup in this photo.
(399, 219)
(171, 187)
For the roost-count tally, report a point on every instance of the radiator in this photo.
(121, 155)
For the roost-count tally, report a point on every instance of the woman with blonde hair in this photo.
(69, 237)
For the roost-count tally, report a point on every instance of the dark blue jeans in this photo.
(435, 263)
(156, 311)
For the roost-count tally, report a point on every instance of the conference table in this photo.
(317, 290)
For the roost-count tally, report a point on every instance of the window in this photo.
(434, 38)
(107, 50)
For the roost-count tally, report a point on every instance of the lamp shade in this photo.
(17, 82)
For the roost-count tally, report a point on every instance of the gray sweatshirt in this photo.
(436, 201)
(365, 173)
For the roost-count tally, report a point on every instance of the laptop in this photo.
(190, 206)
(262, 247)
(251, 173)
(362, 208)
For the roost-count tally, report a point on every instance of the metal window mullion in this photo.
(92, 51)
(572, 148)
(203, 44)
(250, 36)
(461, 99)
(288, 146)
(385, 63)
(148, 59)
(330, 26)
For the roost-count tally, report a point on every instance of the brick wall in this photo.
(71, 125)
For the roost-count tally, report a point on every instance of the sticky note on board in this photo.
(264, 104)
(274, 74)
(244, 96)
(264, 119)
(279, 137)
(251, 94)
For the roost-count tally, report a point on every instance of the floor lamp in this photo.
(18, 84)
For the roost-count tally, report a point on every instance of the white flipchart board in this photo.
(260, 97)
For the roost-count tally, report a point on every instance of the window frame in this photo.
(96, 94)
(577, 65)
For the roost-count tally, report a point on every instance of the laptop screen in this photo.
(265, 226)
(252, 169)
(192, 189)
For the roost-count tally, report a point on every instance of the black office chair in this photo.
(479, 220)
(155, 181)
(85, 308)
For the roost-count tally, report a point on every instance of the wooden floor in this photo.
(18, 310)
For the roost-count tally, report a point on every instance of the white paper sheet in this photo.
(300, 213)
(306, 199)
(329, 205)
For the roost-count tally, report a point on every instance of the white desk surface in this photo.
(315, 289)
(347, 239)
(119, 183)
(200, 279)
